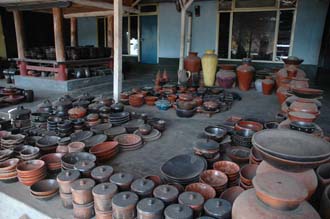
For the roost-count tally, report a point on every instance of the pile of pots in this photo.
(30, 172)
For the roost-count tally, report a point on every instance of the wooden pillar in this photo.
(117, 72)
(20, 41)
(59, 43)
(73, 32)
(110, 32)
(182, 38)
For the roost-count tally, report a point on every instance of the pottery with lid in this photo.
(275, 196)
(65, 178)
(123, 205)
(167, 193)
(175, 211)
(193, 200)
(103, 194)
(85, 167)
(102, 173)
(218, 208)
(143, 187)
(150, 208)
(82, 191)
(122, 180)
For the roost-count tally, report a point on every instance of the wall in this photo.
(311, 16)
(87, 31)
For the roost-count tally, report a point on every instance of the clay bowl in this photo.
(301, 117)
(20, 148)
(247, 173)
(244, 186)
(113, 132)
(9, 165)
(185, 97)
(81, 136)
(185, 113)
(231, 193)
(48, 141)
(29, 151)
(207, 191)
(309, 93)
(76, 147)
(100, 128)
(231, 169)
(52, 160)
(30, 168)
(145, 129)
(214, 178)
(238, 154)
(210, 105)
(216, 133)
(150, 100)
(252, 125)
(255, 155)
(186, 105)
(128, 139)
(70, 159)
(104, 148)
(44, 187)
(171, 98)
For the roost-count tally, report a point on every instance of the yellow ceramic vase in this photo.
(209, 65)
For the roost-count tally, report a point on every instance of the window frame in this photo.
(276, 8)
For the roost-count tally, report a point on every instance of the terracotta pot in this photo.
(193, 200)
(248, 125)
(247, 173)
(226, 78)
(192, 62)
(231, 193)
(307, 178)
(171, 98)
(66, 200)
(299, 83)
(150, 100)
(103, 214)
(124, 205)
(76, 147)
(282, 94)
(267, 86)
(207, 191)
(209, 64)
(103, 194)
(245, 74)
(136, 100)
(82, 191)
(77, 112)
(305, 106)
(325, 203)
(83, 211)
(155, 178)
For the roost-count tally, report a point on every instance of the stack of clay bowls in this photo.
(147, 133)
(105, 151)
(207, 191)
(183, 169)
(69, 160)
(65, 179)
(92, 120)
(64, 128)
(5, 154)
(231, 169)
(215, 178)
(117, 119)
(44, 189)
(8, 171)
(136, 100)
(76, 146)
(29, 153)
(48, 144)
(246, 175)
(94, 140)
(11, 141)
(30, 172)
(255, 156)
(129, 142)
(53, 161)
(82, 198)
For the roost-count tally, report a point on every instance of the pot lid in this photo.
(122, 178)
(100, 172)
(84, 165)
(142, 186)
(191, 199)
(279, 190)
(151, 206)
(19, 110)
(125, 199)
(166, 192)
(207, 145)
(218, 208)
(178, 211)
(85, 96)
(83, 184)
(68, 175)
(62, 102)
(105, 189)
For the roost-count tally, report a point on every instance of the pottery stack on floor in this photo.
(65, 179)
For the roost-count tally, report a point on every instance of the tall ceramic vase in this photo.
(245, 74)
(209, 65)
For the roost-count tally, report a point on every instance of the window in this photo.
(130, 35)
(261, 30)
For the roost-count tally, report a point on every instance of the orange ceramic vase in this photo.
(245, 74)
(267, 86)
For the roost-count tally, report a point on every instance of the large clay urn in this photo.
(307, 177)
(209, 64)
(192, 62)
(274, 196)
(245, 74)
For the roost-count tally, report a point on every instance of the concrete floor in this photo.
(179, 138)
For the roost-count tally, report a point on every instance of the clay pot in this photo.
(103, 214)
(305, 106)
(231, 169)
(325, 203)
(136, 100)
(267, 86)
(192, 62)
(193, 200)
(167, 193)
(231, 193)
(209, 64)
(207, 191)
(122, 180)
(151, 208)
(103, 194)
(66, 200)
(282, 94)
(77, 112)
(250, 125)
(150, 100)
(155, 178)
(301, 117)
(245, 74)
(226, 78)
(247, 173)
(217, 208)
(215, 178)
(65, 178)
(143, 187)
(124, 205)
(82, 191)
(101, 174)
(85, 211)
(178, 211)
(171, 98)
(76, 147)
(307, 178)
(299, 83)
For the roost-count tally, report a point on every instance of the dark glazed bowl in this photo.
(216, 133)
(44, 187)
(185, 113)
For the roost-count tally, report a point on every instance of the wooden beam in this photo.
(104, 5)
(73, 32)
(38, 6)
(110, 33)
(18, 20)
(89, 14)
(117, 72)
(58, 34)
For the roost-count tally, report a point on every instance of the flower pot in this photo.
(245, 74)
(209, 64)
(267, 86)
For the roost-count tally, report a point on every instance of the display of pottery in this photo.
(209, 65)
(245, 73)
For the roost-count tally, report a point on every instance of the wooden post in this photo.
(182, 38)
(59, 42)
(20, 41)
(73, 32)
(117, 73)
(110, 32)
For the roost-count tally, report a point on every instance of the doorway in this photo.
(148, 39)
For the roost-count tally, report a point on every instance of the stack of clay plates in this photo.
(117, 119)
(152, 136)
(8, 171)
(129, 142)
